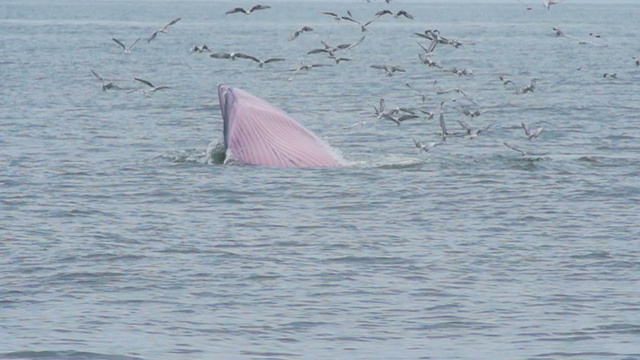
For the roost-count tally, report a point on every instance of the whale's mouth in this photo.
(258, 133)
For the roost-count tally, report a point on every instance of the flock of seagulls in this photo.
(428, 41)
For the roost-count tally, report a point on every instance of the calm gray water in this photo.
(121, 238)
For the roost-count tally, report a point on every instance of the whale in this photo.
(258, 133)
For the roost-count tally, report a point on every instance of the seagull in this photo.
(261, 63)
(423, 95)
(200, 49)
(456, 90)
(388, 69)
(162, 29)
(346, 47)
(428, 146)
(335, 16)
(548, 3)
(434, 34)
(297, 33)
(403, 13)
(580, 41)
(338, 59)
(332, 49)
(425, 59)
(383, 12)
(127, 51)
(528, 88)
(611, 75)
(232, 56)
(473, 133)
(443, 128)
(531, 133)
(363, 27)
(505, 81)
(247, 12)
(153, 87)
(636, 59)
(305, 67)
(400, 119)
(379, 111)
(455, 70)
(473, 114)
(522, 152)
(105, 86)
(429, 50)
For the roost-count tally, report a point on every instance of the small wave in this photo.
(215, 154)
(66, 355)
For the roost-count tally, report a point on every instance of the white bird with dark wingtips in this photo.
(473, 133)
(403, 13)
(528, 88)
(505, 81)
(423, 95)
(548, 3)
(388, 69)
(153, 87)
(105, 85)
(426, 146)
(532, 133)
(297, 33)
(127, 50)
(561, 33)
(399, 119)
(163, 29)
(305, 67)
(261, 63)
(232, 56)
(247, 12)
(522, 152)
(455, 90)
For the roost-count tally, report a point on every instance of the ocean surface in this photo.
(123, 237)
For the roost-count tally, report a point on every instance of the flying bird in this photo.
(473, 133)
(261, 63)
(163, 29)
(403, 13)
(531, 133)
(200, 49)
(423, 95)
(153, 87)
(399, 119)
(561, 33)
(127, 50)
(472, 114)
(332, 14)
(105, 85)
(247, 12)
(505, 81)
(297, 33)
(305, 67)
(548, 3)
(528, 88)
(388, 69)
(522, 152)
(232, 56)
(426, 146)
